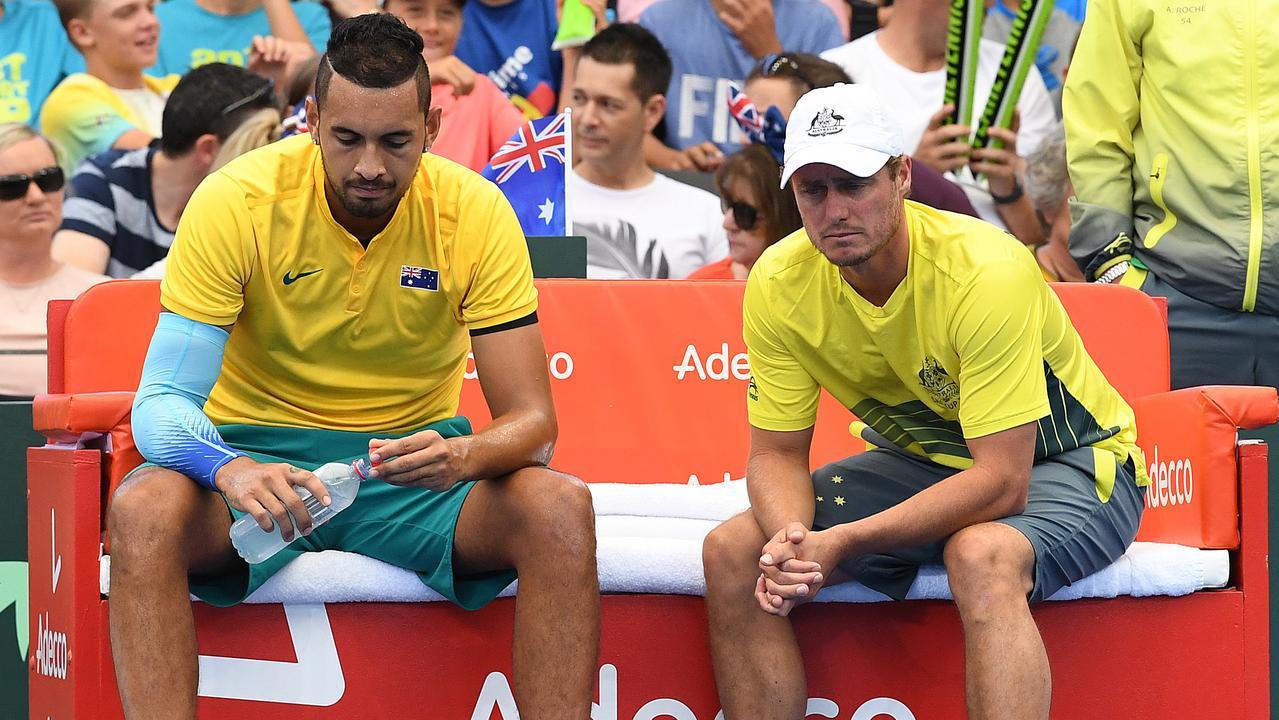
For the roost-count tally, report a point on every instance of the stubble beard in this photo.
(879, 234)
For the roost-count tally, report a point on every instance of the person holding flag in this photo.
(530, 169)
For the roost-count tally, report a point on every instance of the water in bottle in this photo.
(343, 482)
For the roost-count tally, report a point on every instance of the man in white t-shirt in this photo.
(906, 63)
(637, 224)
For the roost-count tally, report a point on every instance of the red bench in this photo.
(649, 381)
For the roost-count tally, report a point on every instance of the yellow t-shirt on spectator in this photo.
(972, 342)
(329, 334)
(85, 116)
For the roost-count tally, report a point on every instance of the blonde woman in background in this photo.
(31, 189)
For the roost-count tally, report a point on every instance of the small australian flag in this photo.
(419, 278)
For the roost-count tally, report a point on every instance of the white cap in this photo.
(842, 125)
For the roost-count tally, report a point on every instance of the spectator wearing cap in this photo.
(35, 55)
(1000, 450)
(476, 118)
(31, 183)
(637, 224)
(112, 104)
(126, 204)
(906, 63)
(713, 43)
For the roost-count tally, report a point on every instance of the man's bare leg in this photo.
(759, 672)
(162, 527)
(542, 523)
(1007, 674)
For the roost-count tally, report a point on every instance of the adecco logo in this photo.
(496, 695)
(560, 366)
(52, 658)
(717, 366)
(1171, 483)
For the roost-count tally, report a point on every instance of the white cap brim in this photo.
(860, 161)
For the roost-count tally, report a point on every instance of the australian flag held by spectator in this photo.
(746, 114)
(529, 168)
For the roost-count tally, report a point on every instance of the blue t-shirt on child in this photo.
(511, 44)
(707, 56)
(34, 57)
(191, 36)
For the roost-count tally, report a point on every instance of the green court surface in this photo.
(16, 436)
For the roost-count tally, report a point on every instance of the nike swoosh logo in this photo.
(290, 278)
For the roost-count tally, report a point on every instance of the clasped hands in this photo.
(795, 564)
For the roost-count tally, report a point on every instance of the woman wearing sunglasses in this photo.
(31, 184)
(757, 213)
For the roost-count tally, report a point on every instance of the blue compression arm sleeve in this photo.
(169, 424)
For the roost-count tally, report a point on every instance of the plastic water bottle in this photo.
(343, 482)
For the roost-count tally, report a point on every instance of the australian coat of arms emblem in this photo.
(940, 386)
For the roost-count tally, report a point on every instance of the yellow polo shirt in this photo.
(971, 343)
(329, 334)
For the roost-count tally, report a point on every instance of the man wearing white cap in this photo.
(1000, 449)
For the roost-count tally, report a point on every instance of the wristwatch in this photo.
(1011, 197)
(1115, 272)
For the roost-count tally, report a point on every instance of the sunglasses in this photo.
(744, 215)
(49, 180)
(257, 95)
(781, 65)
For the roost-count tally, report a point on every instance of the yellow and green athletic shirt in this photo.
(1172, 120)
(331, 335)
(85, 116)
(971, 343)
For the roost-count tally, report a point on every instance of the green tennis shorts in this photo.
(1073, 532)
(408, 527)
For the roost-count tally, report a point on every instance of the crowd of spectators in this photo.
(143, 99)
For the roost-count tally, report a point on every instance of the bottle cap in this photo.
(361, 468)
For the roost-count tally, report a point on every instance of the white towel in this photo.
(650, 541)
(697, 502)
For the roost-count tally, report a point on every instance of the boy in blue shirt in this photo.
(205, 31)
(510, 41)
(35, 55)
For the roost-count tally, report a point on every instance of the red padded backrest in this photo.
(1125, 331)
(105, 336)
(649, 376)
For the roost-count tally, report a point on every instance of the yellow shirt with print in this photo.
(972, 342)
(85, 116)
(329, 334)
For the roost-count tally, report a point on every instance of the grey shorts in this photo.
(1074, 534)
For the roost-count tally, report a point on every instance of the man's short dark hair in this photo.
(376, 50)
(213, 98)
(628, 43)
